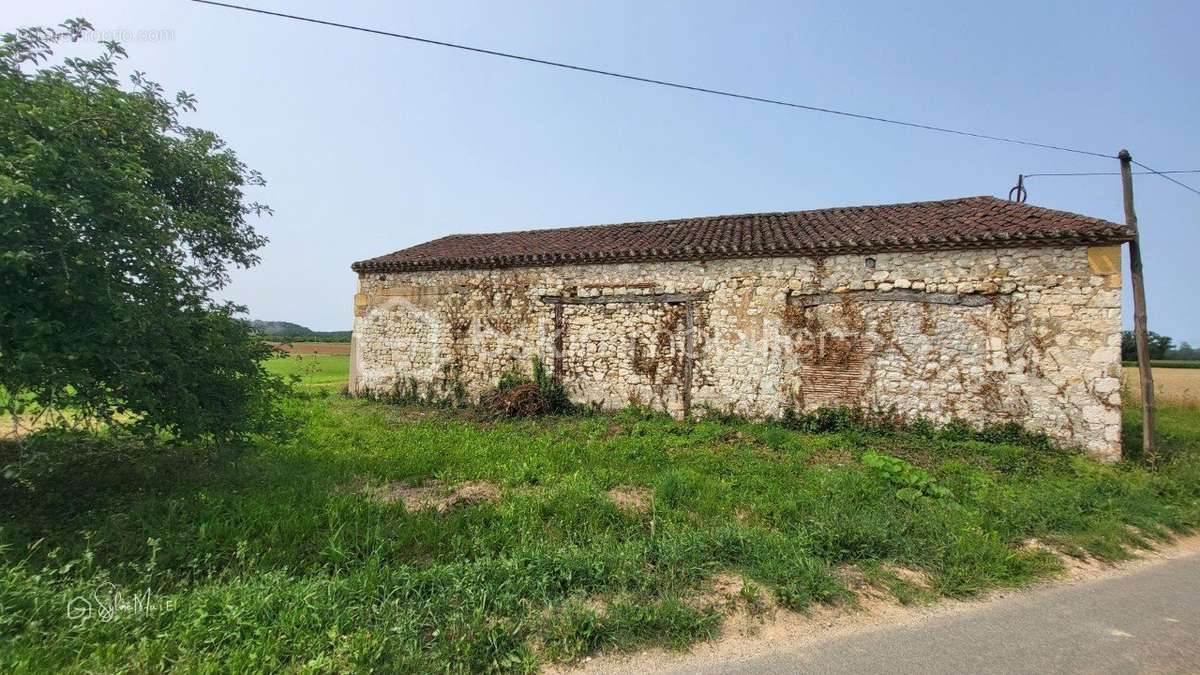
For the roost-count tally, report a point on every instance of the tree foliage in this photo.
(1160, 346)
(118, 223)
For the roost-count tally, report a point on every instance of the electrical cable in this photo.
(688, 87)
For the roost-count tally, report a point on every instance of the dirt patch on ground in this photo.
(631, 498)
(326, 348)
(469, 494)
(722, 593)
(746, 606)
(858, 582)
(914, 577)
(435, 495)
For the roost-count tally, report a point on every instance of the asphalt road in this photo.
(1147, 621)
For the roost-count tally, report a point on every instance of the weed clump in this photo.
(890, 421)
(914, 482)
(843, 418)
(517, 395)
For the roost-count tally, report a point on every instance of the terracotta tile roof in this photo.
(970, 222)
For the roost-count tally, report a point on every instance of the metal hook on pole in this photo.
(1018, 193)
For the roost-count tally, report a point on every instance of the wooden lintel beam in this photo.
(624, 298)
(902, 295)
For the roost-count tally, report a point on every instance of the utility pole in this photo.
(1146, 376)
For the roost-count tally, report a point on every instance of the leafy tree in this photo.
(1160, 346)
(117, 225)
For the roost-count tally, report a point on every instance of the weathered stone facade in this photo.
(1030, 335)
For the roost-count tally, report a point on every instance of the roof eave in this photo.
(544, 260)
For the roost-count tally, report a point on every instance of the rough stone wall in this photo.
(988, 336)
(646, 359)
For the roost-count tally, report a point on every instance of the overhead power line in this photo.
(1109, 173)
(1148, 172)
(678, 85)
(1164, 175)
(1018, 193)
(647, 80)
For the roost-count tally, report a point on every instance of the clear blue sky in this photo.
(372, 144)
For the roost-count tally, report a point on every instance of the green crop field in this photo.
(313, 370)
(415, 538)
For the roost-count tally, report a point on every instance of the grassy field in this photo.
(415, 539)
(325, 371)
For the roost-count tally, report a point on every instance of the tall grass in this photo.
(274, 558)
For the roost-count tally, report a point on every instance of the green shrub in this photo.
(120, 229)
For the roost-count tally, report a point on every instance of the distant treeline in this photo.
(285, 331)
(1162, 348)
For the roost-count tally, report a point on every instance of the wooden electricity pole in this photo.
(1146, 376)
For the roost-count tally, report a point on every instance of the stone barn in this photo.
(975, 308)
